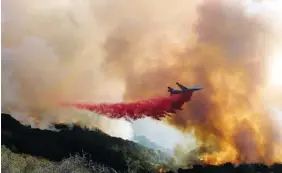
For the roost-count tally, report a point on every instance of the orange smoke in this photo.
(147, 46)
(229, 116)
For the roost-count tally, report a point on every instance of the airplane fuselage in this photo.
(184, 95)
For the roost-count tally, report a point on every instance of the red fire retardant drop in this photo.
(155, 108)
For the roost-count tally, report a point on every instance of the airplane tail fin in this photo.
(170, 90)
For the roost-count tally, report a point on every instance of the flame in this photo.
(236, 119)
(228, 116)
(161, 170)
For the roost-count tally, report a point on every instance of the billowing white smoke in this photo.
(30, 72)
(47, 59)
(52, 52)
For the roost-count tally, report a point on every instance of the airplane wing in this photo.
(181, 86)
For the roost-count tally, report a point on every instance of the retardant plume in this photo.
(156, 108)
(229, 118)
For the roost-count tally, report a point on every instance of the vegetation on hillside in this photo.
(119, 154)
(79, 150)
(143, 140)
(23, 163)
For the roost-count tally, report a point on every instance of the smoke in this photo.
(228, 59)
(52, 53)
(107, 51)
(60, 51)
(32, 82)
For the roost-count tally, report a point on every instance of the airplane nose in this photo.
(196, 88)
(200, 88)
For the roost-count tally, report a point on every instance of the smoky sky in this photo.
(108, 51)
(225, 52)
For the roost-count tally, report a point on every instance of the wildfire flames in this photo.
(229, 117)
(161, 170)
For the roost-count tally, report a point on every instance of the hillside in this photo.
(117, 153)
(80, 150)
(23, 163)
(143, 140)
